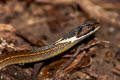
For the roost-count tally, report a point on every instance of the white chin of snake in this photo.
(73, 39)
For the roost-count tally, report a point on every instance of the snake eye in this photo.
(91, 23)
(78, 31)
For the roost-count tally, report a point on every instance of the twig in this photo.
(55, 1)
(96, 12)
(80, 56)
(37, 68)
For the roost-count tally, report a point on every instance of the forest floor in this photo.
(36, 23)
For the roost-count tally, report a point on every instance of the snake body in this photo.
(43, 53)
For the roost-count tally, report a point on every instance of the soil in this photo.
(28, 24)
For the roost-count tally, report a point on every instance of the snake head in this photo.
(80, 32)
(86, 28)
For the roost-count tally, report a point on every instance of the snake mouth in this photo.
(88, 34)
(82, 30)
(80, 33)
(87, 28)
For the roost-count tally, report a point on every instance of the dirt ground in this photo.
(25, 24)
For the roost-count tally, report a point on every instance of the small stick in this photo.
(98, 13)
(77, 51)
(36, 69)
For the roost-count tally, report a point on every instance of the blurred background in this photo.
(35, 23)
